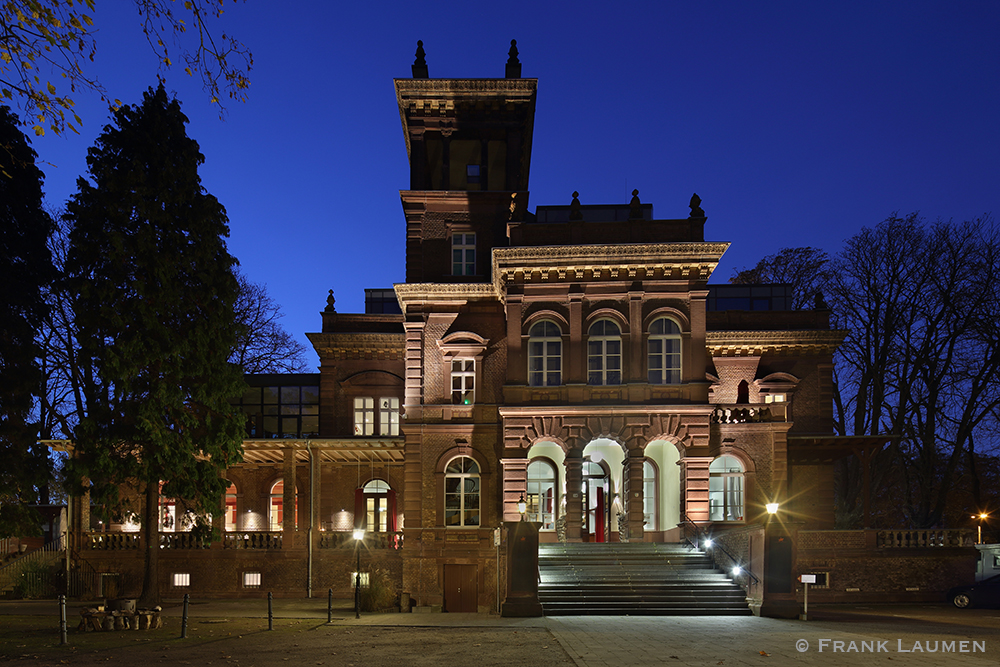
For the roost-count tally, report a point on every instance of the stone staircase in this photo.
(635, 579)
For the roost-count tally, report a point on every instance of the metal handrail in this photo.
(700, 537)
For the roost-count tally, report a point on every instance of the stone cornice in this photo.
(756, 343)
(358, 345)
(443, 293)
(590, 262)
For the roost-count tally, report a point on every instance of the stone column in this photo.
(288, 497)
(633, 505)
(695, 473)
(515, 486)
(574, 496)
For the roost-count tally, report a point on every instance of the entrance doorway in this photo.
(461, 591)
(597, 514)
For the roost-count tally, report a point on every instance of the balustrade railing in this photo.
(183, 540)
(749, 414)
(111, 541)
(913, 539)
(345, 540)
(252, 539)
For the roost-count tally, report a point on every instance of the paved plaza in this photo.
(835, 635)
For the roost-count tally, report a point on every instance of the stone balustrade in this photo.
(914, 538)
(252, 539)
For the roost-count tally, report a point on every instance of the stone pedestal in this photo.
(522, 570)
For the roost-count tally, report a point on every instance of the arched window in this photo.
(231, 507)
(461, 493)
(649, 495)
(275, 513)
(544, 355)
(604, 353)
(378, 511)
(541, 497)
(725, 489)
(664, 358)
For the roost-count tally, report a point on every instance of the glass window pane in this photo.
(472, 518)
(270, 394)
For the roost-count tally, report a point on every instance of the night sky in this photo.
(796, 122)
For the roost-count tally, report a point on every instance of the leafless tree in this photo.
(264, 346)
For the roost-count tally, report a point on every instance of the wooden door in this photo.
(461, 591)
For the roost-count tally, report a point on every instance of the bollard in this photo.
(62, 620)
(184, 616)
(270, 611)
(329, 605)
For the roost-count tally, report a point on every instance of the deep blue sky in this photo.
(796, 122)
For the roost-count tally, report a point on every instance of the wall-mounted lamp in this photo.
(772, 508)
(737, 571)
(522, 506)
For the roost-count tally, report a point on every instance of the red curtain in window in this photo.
(359, 509)
(599, 515)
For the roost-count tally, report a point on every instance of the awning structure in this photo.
(328, 450)
(817, 448)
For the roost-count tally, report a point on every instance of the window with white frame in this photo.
(544, 354)
(725, 489)
(604, 353)
(461, 493)
(649, 496)
(774, 398)
(251, 580)
(463, 254)
(180, 579)
(664, 357)
(388, 416)
(541, 500)
(463, 381)
(364, 415)
(376, 494)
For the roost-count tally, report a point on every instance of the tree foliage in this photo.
(154, 321)
(921, 303)
(263, 346)
(26, 267)
(46, 47)
(805, 269)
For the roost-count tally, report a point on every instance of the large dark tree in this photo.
(155, 290)
(264, 346)
(26, 267)
(805, 269)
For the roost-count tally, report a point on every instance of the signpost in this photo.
(806, 579)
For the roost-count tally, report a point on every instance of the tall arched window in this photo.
(544, 355)
(231, 507)
(461, 492)
(664, 356)
(275, 510)
(649, 495)
(541, 498)
(604, 353)
(725, 489)
(377, 507)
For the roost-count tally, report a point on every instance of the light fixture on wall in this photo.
(522, 506)
(772, 508)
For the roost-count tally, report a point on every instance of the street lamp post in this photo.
(359, 535)
(982, 516)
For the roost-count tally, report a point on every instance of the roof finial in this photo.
(635, 207)
(574, 207)
(419, 67)
(330, 301)
(513, 64)
(696, 210)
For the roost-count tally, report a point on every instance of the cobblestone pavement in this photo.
(911, 635)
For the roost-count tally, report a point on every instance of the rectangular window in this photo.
(463, 381)
(180, 579)
(251, 580)
(463, 254)
(472, 173)
(388, 416)
(774, 398)
(364, 416)
(364, 579)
